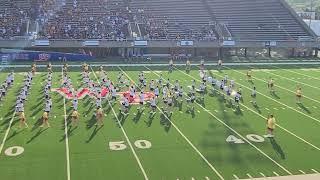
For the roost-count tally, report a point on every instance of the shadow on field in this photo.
(35, 112)
(138, 116)
(151, 118)
(274, 94)
(277, 148)
(257, 108)
(90, 109)
(8, 117)
(94, 133)
(37, 105)
(165, 122)
(91, 122)
(36, 124)
(304, 108)
(40, 131)
(15, 132)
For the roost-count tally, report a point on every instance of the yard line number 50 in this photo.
(120, 145)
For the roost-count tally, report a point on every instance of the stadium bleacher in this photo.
(153, 19)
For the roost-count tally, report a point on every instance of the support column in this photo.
(316, 52)
(245, 52)
(269, 52)
(220, 53)
(292, 52)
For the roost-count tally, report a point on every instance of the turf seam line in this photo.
(315, 119)
(124, 133)
(178, 130)
(66, 136)
(226, 125)
(277, 124)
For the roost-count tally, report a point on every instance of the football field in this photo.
(215, 141)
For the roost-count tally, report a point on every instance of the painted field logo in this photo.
(135, 100)
(80, 93)
(83, 92)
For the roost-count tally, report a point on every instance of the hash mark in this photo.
(314, 170)
(249, 176)
(302, 172)
(262, 174)
(235, 176)
(275, 173)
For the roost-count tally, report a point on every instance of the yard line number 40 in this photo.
(251, 137)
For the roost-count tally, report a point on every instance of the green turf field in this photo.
(215, 141)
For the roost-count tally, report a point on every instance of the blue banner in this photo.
(46, 56)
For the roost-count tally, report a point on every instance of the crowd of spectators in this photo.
(84, 19)
(79, 21)
(13, 19)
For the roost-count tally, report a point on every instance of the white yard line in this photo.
(66, 136)
(179, 131)
(312, 99)
(299, 82)
(125, 134)
(293, 134)
(310, 77)
(315, 119)
(237, 133)
(7, 132)
(66, 139)
(286, 130)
